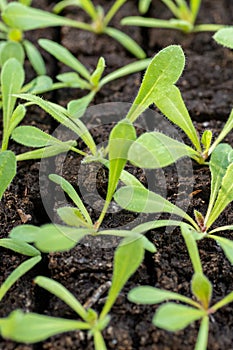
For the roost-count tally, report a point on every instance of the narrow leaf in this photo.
(191, 244)
(72, 217)
(7, 170)
(202, 338)
(202, 289)
(97, 74)
(33, 137)
(35, 58)
(226, 245)
(18, 245)
(99, 341)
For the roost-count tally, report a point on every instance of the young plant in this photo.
(32, 327)
(82, 78)
(176, 316)
(18, 18)
(21, 248)
(184, 13)
(224, 37)
(158, 87)
(142, 200)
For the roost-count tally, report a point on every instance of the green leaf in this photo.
(202, 289)
(178, 24)
(33, 137)
(25, 233)
(154, 150)
(173, 317)
(72, 217)
(17, 117)
(62, 293)
(218, 164)
(188, 235)
(54, 238)
(40, 84)
(206, 139)
(64, 56)
(202, 338)
(99, 341)
(126, 41)
(69, 189)
(120, 140)
(226, 300)
(77, 108)
(35, 58)
(151, 225)
(11, 49)
(144, 6)
(224, 37)
(7, 170)
(19, 246)
(226, 245)
(149, 295)
(141, 200)
(225, 196)
(127, 259)
(17, 273)
(72, 79)
(16, 15)
(163, 71)
(32, 328)
(61, 5)
(12, 78)
(97, 74)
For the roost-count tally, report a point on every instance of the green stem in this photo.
(207, 27)
(115, 7)
(102, 215)
(76, 150)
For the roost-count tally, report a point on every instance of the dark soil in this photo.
(206, 87)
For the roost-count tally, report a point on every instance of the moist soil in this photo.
(206, 85)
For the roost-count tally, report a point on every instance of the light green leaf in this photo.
(126, 42)
(62, 293)
(188, 235)
(144, 6)
(150, 295)
(151, 225)
(11, 49)
(154, 150)
(194, 7)
(72, 217)
(202, 289)
(224, 37)
(72, 79)
(16, 15)
(178, 24)
(64, 56)
(25, 233)
(35, 58)
(99, 341)
(226, 129)
(17, 273)
(141, 200)
(218, 164)
(226, 300)
(173, 317)
(127, 259)
(17, 117)
(202, 338)
(77, 108)
(163, 71)
(61, 5)
(225, 196)
(226, 245)
(120, 140)
(39, 85)
(69, 189)
(206, 139)
(7, 170)
(33, 137)
(12, 78)
(19, 246)
(97, 74)
(32, 328)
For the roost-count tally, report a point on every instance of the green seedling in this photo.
(21, 248)
(32, 327)
(176, 316)
(224, 37)
(142, 200)
(154, 149)
(13, 43)
(184, 13)
(18, 18)
(82, 78)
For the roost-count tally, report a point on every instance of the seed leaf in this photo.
(154, 150)
(202, 289)
(7, 170)
(32, 328)
(173, 317)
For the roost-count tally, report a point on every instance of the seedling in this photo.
(22, 248)
(81, 77)
(184, 18)
(154, 149)
(142, 200)
(225, 37)
(18, 18)
(173, 316)
(31, 327)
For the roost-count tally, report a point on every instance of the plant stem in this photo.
(115, 7)
(207, 27)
